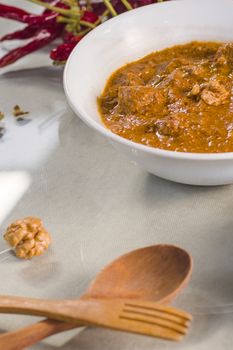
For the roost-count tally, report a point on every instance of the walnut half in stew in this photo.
(179, 99)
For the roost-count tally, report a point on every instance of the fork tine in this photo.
(170, 325)
(159, 315)
(149, 328)
(171, 322)
(165, 310)
(116, 314)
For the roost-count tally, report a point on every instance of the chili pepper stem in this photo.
(59, 63)
(83, 32)
(70, 2)
(88, 5)
(127, 4)
(61, 19)
(87, 24)
(104, 14)
(110, 7)
(69, 13)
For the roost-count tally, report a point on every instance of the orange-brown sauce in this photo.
(180, 99)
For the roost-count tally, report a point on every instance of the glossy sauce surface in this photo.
(180, 99)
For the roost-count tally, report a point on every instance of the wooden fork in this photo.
(140, 317)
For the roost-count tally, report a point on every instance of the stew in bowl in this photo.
(178, 99)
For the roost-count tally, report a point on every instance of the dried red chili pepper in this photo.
(36, 29)
(98, 8)
(29, 31)
(69, 37)
(37, 22)
(76, 39)
(62, 52)
(42, 19)
(44, 37)
(45, 28)
(14, 13)
(20, 15)
(145, 2)
(17, 14)
(89, 16)
(24, 33)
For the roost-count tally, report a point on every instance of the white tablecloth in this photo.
(97, 205)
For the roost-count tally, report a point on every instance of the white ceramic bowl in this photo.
(129, 37)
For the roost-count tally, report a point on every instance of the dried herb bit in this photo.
(2, 116)
(2, 130)
(18, 112)
(2, 124)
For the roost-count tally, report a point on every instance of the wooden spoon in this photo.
(156, 273)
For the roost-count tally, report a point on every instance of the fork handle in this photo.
(73, 311)
(29, 306)
(33, 334)
(110, 313)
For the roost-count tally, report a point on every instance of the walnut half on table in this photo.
(28, 237)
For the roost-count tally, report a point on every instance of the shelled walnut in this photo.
(28, 237)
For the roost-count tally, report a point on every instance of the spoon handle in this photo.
(33, 334)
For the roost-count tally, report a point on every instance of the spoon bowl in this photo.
(155, 273)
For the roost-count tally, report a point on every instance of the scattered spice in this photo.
(28, 237)
(2, 116)
(19, 115)
(2, 131)
(18, 112)
(2, 124)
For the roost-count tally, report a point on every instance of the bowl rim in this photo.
(83, 115)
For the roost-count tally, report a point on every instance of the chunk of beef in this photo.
(224, 55)
(127, 78)
(197, 70)
(176, 63)
(140, 99)
(171, 126)
(133, 79)
(215, 93)
(179, 82)
(196, 90)
(167, 127)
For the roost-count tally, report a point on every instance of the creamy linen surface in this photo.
(97, 205)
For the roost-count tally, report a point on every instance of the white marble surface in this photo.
(97, 205)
